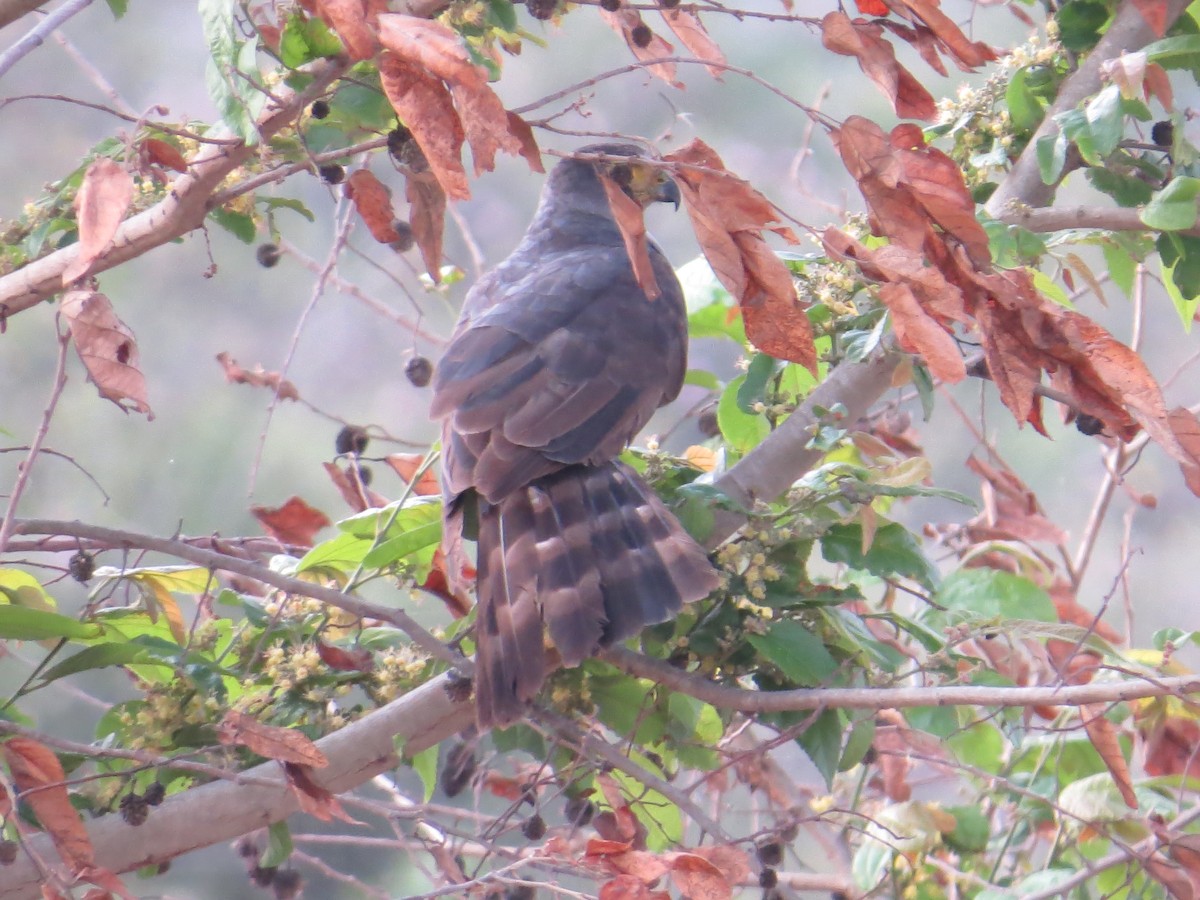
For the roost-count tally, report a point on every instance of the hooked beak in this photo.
(668, 192)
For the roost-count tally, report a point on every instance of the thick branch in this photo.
(1024, 186)
(181, 211)
(746, 701)
(223, 810)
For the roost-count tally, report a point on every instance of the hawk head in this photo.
(629, 165)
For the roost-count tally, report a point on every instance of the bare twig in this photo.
(37, 35)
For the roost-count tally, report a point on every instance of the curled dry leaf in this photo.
(293, 523)
(356, 494)
(406, 466)
(38, 776)
(521, 130)
(968, 55)
(107, 349)
(426, 108)
(877, 58)
(691, 33)
(699, 879)
(1155, 14)
(1103, 735)
(101, 204)
(729, 216)
(269, 741)
(427, 217)
(619, 858)
(349, 19)
(314, 799)
(109, 884)
(440, 51)
(1186, 427)
(632, 225)
(358, 659)
(373, 202)
(257, 377)
(447, 589)
(624, 21)
(1011, 511)
(629, 887)
(160, 153)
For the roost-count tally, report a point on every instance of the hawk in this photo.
(558, 359)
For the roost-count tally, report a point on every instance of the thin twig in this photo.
(37, 35)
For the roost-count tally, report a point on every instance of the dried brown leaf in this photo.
(1186, 427)
(426, 108)
(522, 131)
(406, 466)
(293, 523)
(427, 218)
(109, 884)
(270, 741)
(107, 348)
(1155, 14)
(38, 776)
(922, 39)
(358, 659)
(624, 21)
(877, 58)
(692, 34)
(1103, 735)
(356, 494)
(100, 205)
(349, 19)
(968, 55)
(314, 799)
(628, 887)
(373, 202)
(630, 219)
(160, 153)
(1180, 884)
(1158, 84)
(918, 332)
(257, 377)
(732, 861)
(699, 879)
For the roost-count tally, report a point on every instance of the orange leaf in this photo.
(314, 799)
(1158, 84)
(270, 741)
(628, 22)
(349, 19)
(257, 377)
(628, 215)
(1103, 735)
(427, 216)
(917, 332)
(1155, 14)
(425, 107)
(871, 7)
(108, 884)
(438, 583)
(733, 863)
(357, 660)
(101, 204)
(968, 55)
(373, 201)
(107, 348)
(293, 523)
(1186, 428)
(160, 153)
(522, 131)
(406, 466)
(692, 35)
(39, 777)
(877, 58)
(440, 51)
(627, 887)
(699, 879)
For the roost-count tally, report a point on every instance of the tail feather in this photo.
(591, 552)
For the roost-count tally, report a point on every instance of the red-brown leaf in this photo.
(1186, 428)
(293, 523)
(877, 58)
(1103, 735)
(107, 348)
(522, 131)
(406, 466)
(699, 879)
(1155, 14)
(732, 861)
(426, 108)
(627, 887)
(624, 21)
(314, 799)
(968, 55)
(917, 332)
(691, 34)
(160, 153)
(632, 225)
(349, 19)
(359, 659)
(270, 741)
(871, 7)
(427, 218)
(257, 377)
(108, 884)
(356, 494)
(373, 201)
(39, 777)
(101, 204)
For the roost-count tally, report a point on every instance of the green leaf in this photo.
(1174, 207)
(343, 553)
(274, 203)
(1125, 189)
(822, 742)
(22, 589)
(117, 7)
(971, 830)
(425, 764)
(743, 431)
(893, 551)
(795, 651)
(1185, 303)
(1121, 265)
(1105, 119)
(99, 656)
(20, 623)
(664, 825)
(862, 735)
(624, 703)
(279, 846)
(1177, 52)
(992, 595)
(232, 68)
(754, 387)
(1080, 23)
(304, 40)
(1023, 105)
(240, 225)
(702, 378)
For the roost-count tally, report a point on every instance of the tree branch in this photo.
(1024, 186)
(11, 10)
(181, 211)
(37, 35)
(223, 810)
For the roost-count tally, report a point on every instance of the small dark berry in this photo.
(519, 892)
(134, 809)
(8, 852)
(707, 424)
(870, 756)
(1163, 133)
(458, 768)
(319, 109)
(418, 371)
(458, 687)
(1089, 425)
(247, 848)
(668, 4)
(267, 255)
(404, 240)
(789, 832)
(541, 9)
(610, 5)
(82, 566)
(351, 439)
(397, 139)
(770, 853)
(332, 173)
(579, 811)
(365, 475)
(768, 878)
(529, 794)
(263, 875)
(287, 884)
(164, 867)
(838, 895)
(641, 35)
(534, 828)
(155, 793)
